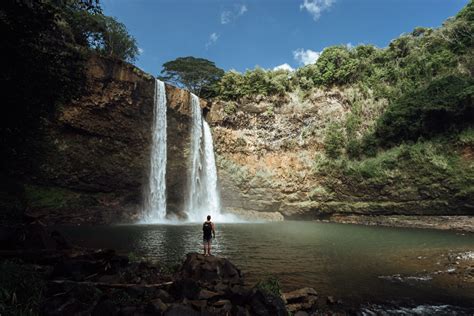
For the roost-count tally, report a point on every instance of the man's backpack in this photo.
(207, 229)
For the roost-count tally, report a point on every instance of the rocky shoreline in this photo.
(67, 280)
(464, 224)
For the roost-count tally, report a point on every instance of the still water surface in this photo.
(355, 263)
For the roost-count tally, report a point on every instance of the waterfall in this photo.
(203, 197)
(154, 208)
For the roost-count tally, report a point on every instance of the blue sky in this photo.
(243, 34)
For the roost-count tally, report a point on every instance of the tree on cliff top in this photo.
(194, 74)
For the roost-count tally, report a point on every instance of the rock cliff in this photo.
(89, 162)
(92, 158)
(267, 149)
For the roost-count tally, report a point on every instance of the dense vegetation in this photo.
(425, 75)
(410, 120)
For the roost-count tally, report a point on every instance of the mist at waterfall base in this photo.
(203, 192)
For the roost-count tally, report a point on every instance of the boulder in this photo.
(210, 271)
(266, 304)
(185, 288)
(156, 307)
(304, 299)
(105, 307)
(181, 310)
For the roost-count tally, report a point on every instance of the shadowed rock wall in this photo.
(92, 158)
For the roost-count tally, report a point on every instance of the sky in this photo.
(243, 34)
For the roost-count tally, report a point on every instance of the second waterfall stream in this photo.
(203, 197)
(202, 192)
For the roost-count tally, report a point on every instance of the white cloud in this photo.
(243, 9)
(140, 50)
(228, 16)
(316, 7)
(305, 57)
(284, 66)
(212, 39)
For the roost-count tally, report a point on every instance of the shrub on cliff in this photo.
(445, 105)
(334, 141)
(234, 85)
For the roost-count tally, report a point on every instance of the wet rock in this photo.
(304, 299)
(105, 307)
(198, 304)
(221, 303)
(266, 304)
(70, 300)
(330, 300)
(206, 294)
(210, 270)
(156, 307)
(185, 288)
(128, 311)
(110, 279)
(240, 311)
(164, 296)
(180, 310)
(239, 295)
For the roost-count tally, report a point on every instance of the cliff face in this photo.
(89, 163)
(268, 147)
(93, 156)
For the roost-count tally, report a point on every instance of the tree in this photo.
(116, 40)
(92, 29)
(191, 73)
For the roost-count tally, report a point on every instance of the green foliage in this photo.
(230, 86)
(422, 163)
(334, 141)
(21, 289)
(409, 63)
(445, 104)
(96, 31)
(195, 74)
(270, 285)
(336, 65)
(115, 40)
(234, 85)
(466, 137)
(230, 108)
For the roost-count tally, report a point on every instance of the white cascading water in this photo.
(154, 208)
(203, 197)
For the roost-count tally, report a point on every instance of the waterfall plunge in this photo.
(203, 197)
(154, 209)
(203, 190)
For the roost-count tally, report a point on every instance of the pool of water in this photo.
(355, 263)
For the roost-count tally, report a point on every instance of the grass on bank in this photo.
(21, 289)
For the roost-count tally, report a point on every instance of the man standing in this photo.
(208, 234)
